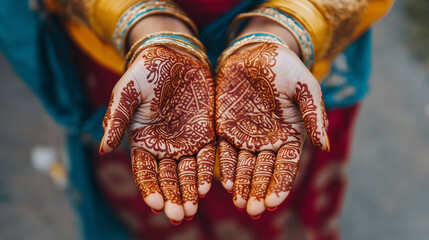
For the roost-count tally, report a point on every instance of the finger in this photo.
(170, 188)
(243, 178)
(187, 170)
(146, 178)
(285, 171)
(260, 181)
(124, 101)
(227, 164)
(205, 164)
(309, 99)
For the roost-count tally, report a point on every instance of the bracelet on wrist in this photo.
(141, 10)
(246, 39)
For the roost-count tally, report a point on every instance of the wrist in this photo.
(156, 23)
(260, 24)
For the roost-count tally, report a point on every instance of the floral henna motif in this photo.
(227, 161)
(183, 104)
(187, 179)
(305, 102)
(144, 169)
(246, 163)
(120, 118)
(168, 181)
(248, 113)
(262, 174)
(285, 169)
(206, 162)
(108, 116)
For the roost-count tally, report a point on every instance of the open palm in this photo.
(165, 104)
(266, 101)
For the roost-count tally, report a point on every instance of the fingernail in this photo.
(272, 209)
(189, 218)
(229, 191)
(328, 145)
(256, 217)
(240, 209)
(100, 149)
(203, 196)
(175, 223)
(156, 211)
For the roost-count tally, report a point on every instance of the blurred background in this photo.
(387, 196)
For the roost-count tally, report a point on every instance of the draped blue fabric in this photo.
(39, 51)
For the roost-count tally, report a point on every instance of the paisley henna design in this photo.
(205, 163)
(285, 169)
(262, 174)
(243, 178)
(248, 113)
(227, 163)
(188, 179)
(305, 102)
(144, 170)
(183, 104)
(168, 181)
(120, 118)
(108, 116)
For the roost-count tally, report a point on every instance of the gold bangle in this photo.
(162, 41)
(142, 10)
(311, 18)
(245, 39)
(299, 33)
(192, 39)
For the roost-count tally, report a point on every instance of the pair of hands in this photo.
(266, 101)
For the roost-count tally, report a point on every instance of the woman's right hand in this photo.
(165, 104)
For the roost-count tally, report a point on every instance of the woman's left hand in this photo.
(267, 102)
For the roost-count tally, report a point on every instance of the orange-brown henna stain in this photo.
(187, 179)
(168, 181)
(206, 162)
(120, 118)
(183, 104)
(305, 102)
(325, 115)
(108, 116)
(144, 169)
(285, 169)
(243, 178)
(262, 174)
(248, 112)
(227, 161)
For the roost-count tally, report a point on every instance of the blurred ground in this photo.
(388, 195)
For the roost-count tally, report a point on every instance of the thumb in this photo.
(123, 102)
(308, 97)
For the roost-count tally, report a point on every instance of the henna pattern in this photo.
(108, 116)
(187, 178)
(305, 102)
(324, 114)
(183, 104)
(144, 169)
(168, 181)
(262, 174)
(128, 102)
(243, 178)
(285, 169)
(227, 161)
(206, 162)
(248, 113)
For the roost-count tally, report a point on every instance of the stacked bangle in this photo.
(183, 41)
(299, 32)
(246, 39)
(141, 10)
